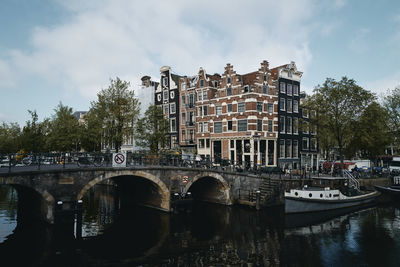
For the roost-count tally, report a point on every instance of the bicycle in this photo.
(96, 161)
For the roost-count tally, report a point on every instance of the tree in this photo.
(117, 109)
(90, 132)
(63, 130)
(391, 103)
(152, 130)
(33, 134)
(339, 105)
(372, 135)
(9, 138)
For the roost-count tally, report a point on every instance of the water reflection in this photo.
(206, 235)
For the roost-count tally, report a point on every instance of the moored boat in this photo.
(328, 193)
(393, 190)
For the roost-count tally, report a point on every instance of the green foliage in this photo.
(152, 130)
(63, 132)
(372, 135)
(117, 110)
(391, 103)
(90, 132)
(9, 137)
(33, 134)
(339, 105)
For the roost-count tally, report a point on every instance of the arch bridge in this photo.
(40, 193)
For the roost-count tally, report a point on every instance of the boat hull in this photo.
(390, 191)
(300, 205)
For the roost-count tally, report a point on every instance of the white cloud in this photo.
(6, 76)
(382, 85)
(104, 39)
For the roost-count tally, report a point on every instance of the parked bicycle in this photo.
(96, 161)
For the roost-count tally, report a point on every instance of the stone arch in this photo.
(165, 193)
(47, 201)
(219, 178)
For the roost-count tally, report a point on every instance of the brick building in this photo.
(237, 117)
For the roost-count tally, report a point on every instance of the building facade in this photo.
(237, 118)
(167, 96)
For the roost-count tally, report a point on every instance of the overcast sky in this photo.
(55, 50)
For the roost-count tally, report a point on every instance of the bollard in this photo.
(258, 199)
(78, 224)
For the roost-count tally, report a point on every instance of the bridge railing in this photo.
(67, 160)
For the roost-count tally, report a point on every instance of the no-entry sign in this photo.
(119, 160)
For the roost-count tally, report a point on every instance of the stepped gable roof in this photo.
(275, 71)
(249, 78)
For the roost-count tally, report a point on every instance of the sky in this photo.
(54, 51)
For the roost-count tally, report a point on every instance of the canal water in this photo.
(205, 235)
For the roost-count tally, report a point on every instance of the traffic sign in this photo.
(119, 159)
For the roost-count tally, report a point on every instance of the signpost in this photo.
(119, 160)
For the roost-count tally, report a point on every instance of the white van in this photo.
(394, 165)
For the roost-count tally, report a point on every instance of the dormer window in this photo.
(229, 80)
(201, 83)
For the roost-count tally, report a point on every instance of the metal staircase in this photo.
(353, 182)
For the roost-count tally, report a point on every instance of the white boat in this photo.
(328, 193)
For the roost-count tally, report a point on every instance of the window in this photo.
(282, 148)
(183, 121)
(270, 126)
(265, 78)
(305, 143)
(172, 108)
(183, 86)
(205, 110)
(313, 129)
(165, 95)
(242, 107)
(165, 81)
(246, 88)
(282, 87)
(205, 127)
(158, 97)
(218, 110)
(259, 106)
(282, 102)
(183, 135)
(265, 89)
(270, 108)
(232, 143)
(173, 125)
(201, 143)
(229, 107)
(204, 95)
(282, 124)
(200, 96)
(313, 144)
(191, 101)
(229, 80)
(289, 74)
(228, 91)
(295, 149)
(289, 105)
(217, 127)
(295, 89)
(229, 125)
(172, 94)
(166, 109)
(305, 127)
(305, 113)
(289, 89)
(201, 83)
(288, 148)
(259, 125)
(242, 125)
(289, 125)
(191, 118)
(200, 112)
(295, 125)
(295, 106)
(200, 127)
(183, 100)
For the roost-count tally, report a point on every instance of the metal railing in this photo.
(353, 182)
